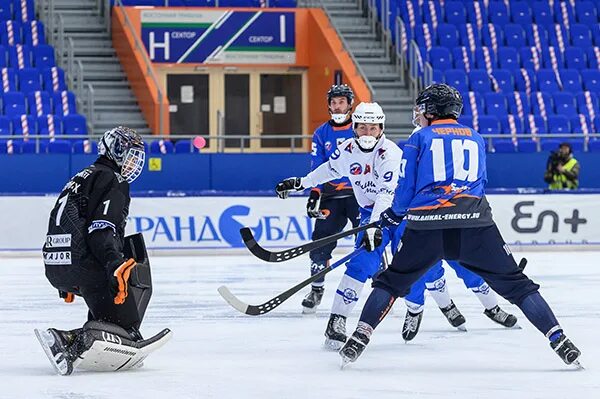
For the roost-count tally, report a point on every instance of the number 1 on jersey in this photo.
(62, 201)
(459, 147)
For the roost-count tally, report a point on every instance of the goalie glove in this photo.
(284, 187)
(312, 206)
(120, 280)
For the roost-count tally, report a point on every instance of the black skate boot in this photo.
(56, 344)
(501, 317)
(335, 335)
(565, 349)
(356, 344)
(312, 300)
(454, 317)
(412, 322)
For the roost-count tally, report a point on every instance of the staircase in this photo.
(380, 70)
(114, 103)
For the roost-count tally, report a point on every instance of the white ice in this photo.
(219, 353)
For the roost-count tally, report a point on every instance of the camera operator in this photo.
(562, 169)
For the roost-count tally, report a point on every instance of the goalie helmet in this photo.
(340, 91)
(368, 113)
(126, 148)
(440, 101)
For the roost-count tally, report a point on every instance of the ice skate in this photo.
(501, 317)
(567, 351)
(312, 300)
(454, 317)
(56, 345)
(353, 348)
(412, 322)
(335, 335)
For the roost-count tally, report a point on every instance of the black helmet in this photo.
(440, 100)
(126, 148)
(340, 91)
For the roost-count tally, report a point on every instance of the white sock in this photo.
(486, 296)
(439, 292)
(346, 296)
(414, 307)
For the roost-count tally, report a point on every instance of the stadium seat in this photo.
(10, 33)
(542, 14)
(33, 147)
(19, 56)
(492, 36)
(272, 3)
(558, 124)
(469, 35)
(518, 102)
(546, 80)
(476, 13)
(438, 76)
(498, 13)
(479, 81)
(520, 12)
(3, 57)
(504, 146)
(54, 79)
(29, 80)
(548, 144)
(552, 58)
(5, 11)
(33, 33)
(575, 58)
(571, 80)
(564, 13)
(455, 12)
(74, 124)
(593, 56)
(43, 56)
(432, 13)
(9, 79)
(424, 35)
(14, 103)
(594, 146)
(458, 79)
(504, 79)
(581, 36)
(59, 147)
(161, 147)
(185, 147)
(587, 102)
(489, 124)
(463, 58)
(23, 10)
(64, 103)
(495, 104)
(564, 104)
(541, 104)
(440, 58)
(591, 80)
(525, 79)
(85, 147)
(50, 125)
(559, 36)
(485, 58)
(585, 12)
(447, 35)
(537, 36)
(473, 103)
(39, 103)
(509, 122)
(5, 126)
(526, 146)
(597, 123)
(535, 122)
(531, 58)
(24, 125)
(508, 58)
(514, 36)
(596, 34)
(581, 124)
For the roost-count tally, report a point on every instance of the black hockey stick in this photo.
(286, 254)
(523, 263)
(255, 310)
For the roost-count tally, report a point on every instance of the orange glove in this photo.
(121, 275)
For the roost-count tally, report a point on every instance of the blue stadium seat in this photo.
(542, 14)
(5, 11)
(8, 79)
(43, 56)
(186, 147)
(74, 124)
(33, 33)
(563, 10)
(594, 146)
(564, 104)
(575, 58)
(552, 57)
(597, 123)
(479, 81)
(498, 13)
(455, 12)
(536, 121)
(514, 36)
(39, 103)
(581, 36)
(19, 56)
(49, 123)
(14, 103)
(571, 80)
(447, 35)
(531, 58)
(586, 12)
(489, 124)
(507, 126)
(239, 3)
(537, 35)
(469, 30)
(558, 35)
(504, 146)
(54, 79)
(579, 122)
(495, 104)
(492, 35)
(438, 76)
(5, 126)
(508, 58)
(504, 79)
(520, 13)
(3, 57)
(520, 76)
(466, 120)
(591, 80)
(64, 103)
(21, 13)
(24, 125)
(463, 58)
(559, 124)
(593, 55)
(582, 103)
(85, 146)
(476, 10)
(432, 13)
(404, 13)
(31, 147)
(480, 58)
(440, 58)
(10, 33)
(161, 147)
(421, 38)
(272, 3)
(596, 34)
(546, 80)
(523, 100)
(526, 146)
(548, 144)
(457, 78)
(59, 147)
(29, 80)
(541, 102)
(473, 102)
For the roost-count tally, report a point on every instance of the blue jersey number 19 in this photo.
(459, 147)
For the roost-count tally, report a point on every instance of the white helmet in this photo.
(368, 113)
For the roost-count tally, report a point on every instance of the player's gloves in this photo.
(284, 187)
(390, 218)
(120, 280)
(312, 206)
(372, 239)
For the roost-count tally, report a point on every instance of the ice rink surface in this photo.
(217, 352)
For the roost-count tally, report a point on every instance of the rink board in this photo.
(205, 223)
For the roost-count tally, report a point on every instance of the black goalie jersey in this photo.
(95, 199)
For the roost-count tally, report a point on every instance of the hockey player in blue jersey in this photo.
(441, 193)
(333, 203)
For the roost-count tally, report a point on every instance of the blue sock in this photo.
(377, 306)
(540, 315)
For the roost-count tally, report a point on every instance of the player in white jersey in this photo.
(372, 164)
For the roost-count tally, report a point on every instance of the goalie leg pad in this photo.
(108, 347)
